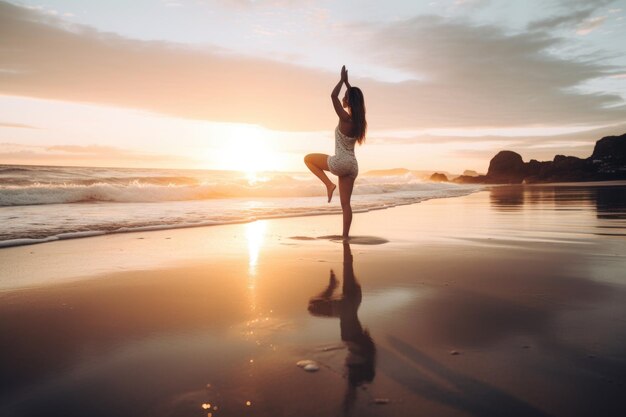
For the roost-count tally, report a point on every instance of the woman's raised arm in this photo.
(343, 115)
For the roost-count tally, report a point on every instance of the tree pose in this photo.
(350, 130)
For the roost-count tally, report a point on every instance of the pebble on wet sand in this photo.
(381, 401)
(454, 352)
(311, 367)
(308, 365)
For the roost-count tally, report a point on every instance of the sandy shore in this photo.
(507, 302)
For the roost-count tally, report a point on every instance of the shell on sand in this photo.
(308, 365)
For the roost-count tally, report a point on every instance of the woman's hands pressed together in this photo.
(344, 74)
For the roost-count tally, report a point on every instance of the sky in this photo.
(245, 84)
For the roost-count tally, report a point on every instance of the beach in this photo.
(510, 301)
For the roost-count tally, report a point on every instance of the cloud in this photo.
(541, 147)
(263, 3)
(571, 19)
(571, 14)
(481, 73)
(590, 25)
(93, 150)
(254, 4)
(545, 153)
(57, 60)
(469, 76)
(472, 3)
(17, 125)
(85, 155)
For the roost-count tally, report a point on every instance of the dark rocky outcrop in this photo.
(439, 177)
(608, 162)
(466, 179)
(470, 173)
(507, 167)
(609, 154)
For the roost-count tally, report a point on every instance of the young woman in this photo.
(351, 129)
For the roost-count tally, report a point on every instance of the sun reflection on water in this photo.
(255, 235)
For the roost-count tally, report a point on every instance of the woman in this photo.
(351, 129)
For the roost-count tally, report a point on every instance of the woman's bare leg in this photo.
(346, 184)
(318, 163)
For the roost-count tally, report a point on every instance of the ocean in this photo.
(46, 203)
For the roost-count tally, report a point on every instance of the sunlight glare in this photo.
(246, 148)
(255, 234)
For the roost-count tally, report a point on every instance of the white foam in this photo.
(87, 233)
(25, 241)
(43, 204)
(136, 191)
(44, 223)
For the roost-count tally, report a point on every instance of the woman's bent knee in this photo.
(310, 157)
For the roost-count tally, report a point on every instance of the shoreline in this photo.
(93, 233)
(34, 265)
(508, 301)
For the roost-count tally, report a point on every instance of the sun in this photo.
(246, 148)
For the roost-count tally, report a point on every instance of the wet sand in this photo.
(507, 302)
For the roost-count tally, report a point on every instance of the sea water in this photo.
(44, 203)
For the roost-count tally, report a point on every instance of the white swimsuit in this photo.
(343, 162)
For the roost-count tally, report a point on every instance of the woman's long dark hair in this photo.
(357, 111)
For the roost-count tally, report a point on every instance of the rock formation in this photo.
(607, 162)
(439, 177)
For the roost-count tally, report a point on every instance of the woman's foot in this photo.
(330, 189)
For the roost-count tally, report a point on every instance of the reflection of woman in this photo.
(351, 129)
(361, 358)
